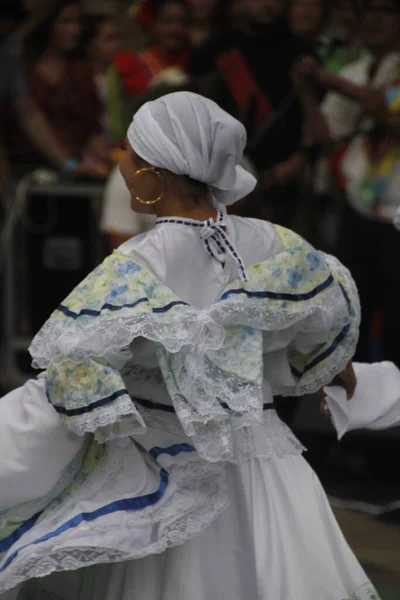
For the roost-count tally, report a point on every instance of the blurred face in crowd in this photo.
(261, 12)
(106, 44)
(171, 27)
(66, 30)
(381, 25)
(346, 18)
(308, 17)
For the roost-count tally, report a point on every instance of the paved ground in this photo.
(377, 546)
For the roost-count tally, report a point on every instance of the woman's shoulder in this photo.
(263, 236)
(251, 223)
(147, 248)
(137, 242)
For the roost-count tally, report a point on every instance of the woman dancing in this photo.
(147, 460)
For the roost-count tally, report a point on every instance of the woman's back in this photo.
(175, 253)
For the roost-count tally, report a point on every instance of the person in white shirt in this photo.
(118, 221)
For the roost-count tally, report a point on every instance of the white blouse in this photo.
(176, 255)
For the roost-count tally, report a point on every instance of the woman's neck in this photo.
(200, 211)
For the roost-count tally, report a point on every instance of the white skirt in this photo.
(258, 530)
(278, 540)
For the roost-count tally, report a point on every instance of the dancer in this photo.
(147, 460)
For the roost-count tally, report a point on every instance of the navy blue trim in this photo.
(282, 296)
(95, 313)
(154, 405)
(266, 406)
(313, 363)
(171, 451)
(218, 228)
(8, 541)
(346, 297)
(163, 309)
(233, 253)
(129, 504)
(75, 412)
(171, 409)
(166, 308)
(180, 222)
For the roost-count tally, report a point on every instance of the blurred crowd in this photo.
(316, 84)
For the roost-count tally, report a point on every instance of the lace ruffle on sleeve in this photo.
(299, 309)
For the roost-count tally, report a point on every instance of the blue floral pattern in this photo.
(294, 277)
(207, 357)
(315, 261)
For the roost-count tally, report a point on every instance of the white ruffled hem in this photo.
(195, 495)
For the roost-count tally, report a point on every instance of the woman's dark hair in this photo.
(196, 189)
(91, 28)
(193, 188)
(37, 33)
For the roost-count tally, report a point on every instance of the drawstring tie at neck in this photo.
(215, 239)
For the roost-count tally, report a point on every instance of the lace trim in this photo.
(118, 420)
(365, 592)
(207, 363)
(272, 438)
(186, 327)
(199, 495)
(344, 351)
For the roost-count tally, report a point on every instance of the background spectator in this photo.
(118, 221)
(164, 60)
(253, 60)
(14, 93)
(202, 21)
(169, 40)
(61, 84)
(345, 31)
(310, 19)
(101, 42)
(363, 107)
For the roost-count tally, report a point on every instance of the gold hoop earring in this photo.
(147, 170)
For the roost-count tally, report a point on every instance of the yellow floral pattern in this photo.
(212, 358)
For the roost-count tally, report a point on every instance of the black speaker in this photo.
(62, 244)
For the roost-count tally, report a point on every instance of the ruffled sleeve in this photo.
(307, 305)
(84, 344)
(288, 330)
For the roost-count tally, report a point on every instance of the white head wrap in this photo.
(191, 135)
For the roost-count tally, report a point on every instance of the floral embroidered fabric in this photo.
(213, 360)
